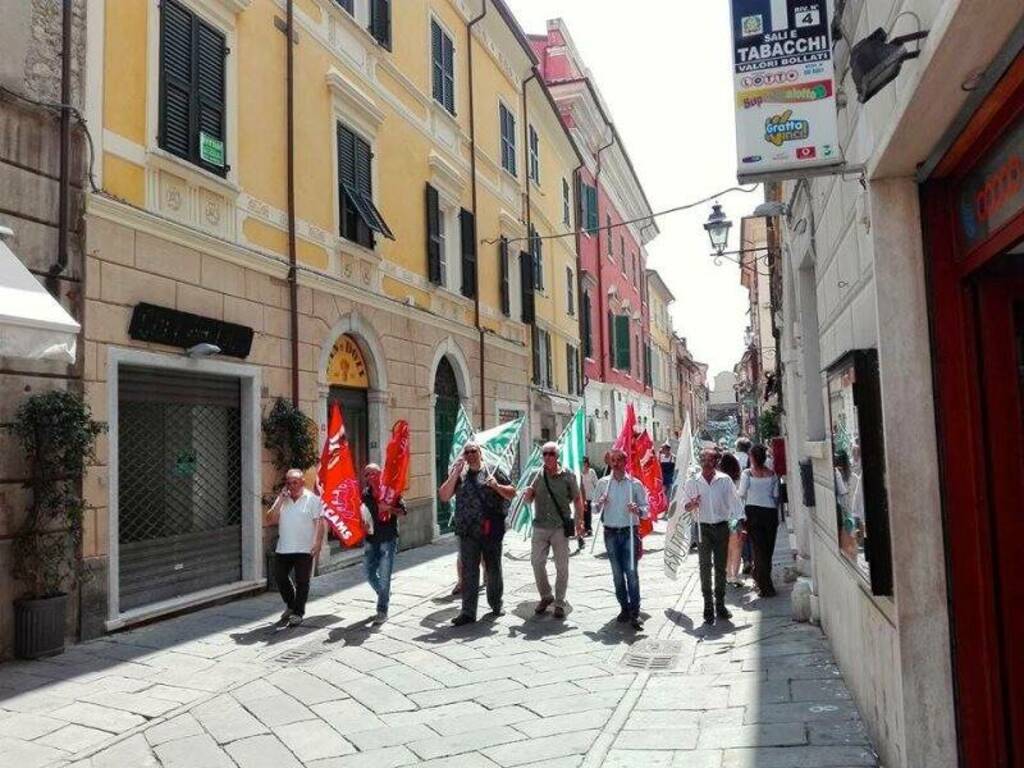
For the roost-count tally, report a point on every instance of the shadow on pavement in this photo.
(272, 634)
(354, 634)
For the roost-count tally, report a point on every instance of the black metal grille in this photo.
(179, 485)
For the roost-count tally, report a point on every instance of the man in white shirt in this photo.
(299, 516)
(622, 502)
(711, 495)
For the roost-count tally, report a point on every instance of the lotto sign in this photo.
(785, 89)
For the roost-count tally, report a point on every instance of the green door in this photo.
(446, 411)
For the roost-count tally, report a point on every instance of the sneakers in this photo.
(559, 612)
(636, 624)
(623, 617)
(543, 605)
(497, 610)
(294, 620)
(285, 616)
(380, 618)
(462, 620)
(722, 612)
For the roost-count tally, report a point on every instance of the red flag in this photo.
(624, 442)
(394, 478)
(339, 487)
(642, 445)
(652, 480)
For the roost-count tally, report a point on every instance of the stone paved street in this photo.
(223, 687)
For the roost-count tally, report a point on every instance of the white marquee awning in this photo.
(33, 324)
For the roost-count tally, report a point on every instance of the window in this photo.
(622, 359)
(346, 4)
(534, 155)
(537, 253)
(503, 267)
(542, 365)
(570, 292)
(443, 67)
(467, 229)
(192, 90)
(589, 204)
(508, 139)
(443, 237)
(380, 22)
(566, 203)
(526, 287)
(648, 380)
(549, 370)
(608, 232)
(359, 216)
(572, 362)
(588, 348)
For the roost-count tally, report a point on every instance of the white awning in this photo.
(33, 324)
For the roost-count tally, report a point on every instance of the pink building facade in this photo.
(614, 217)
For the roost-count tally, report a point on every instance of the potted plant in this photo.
(58, 435)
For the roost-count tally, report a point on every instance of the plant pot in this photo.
(39, 626)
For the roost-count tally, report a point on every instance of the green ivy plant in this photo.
(58, 434)
(290, 435)
(768, 424)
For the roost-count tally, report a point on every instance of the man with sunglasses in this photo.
(299, 516)
(481, 499)
(622, 503)
(555, 495)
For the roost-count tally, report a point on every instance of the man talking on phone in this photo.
(299, 516)
(711, 496)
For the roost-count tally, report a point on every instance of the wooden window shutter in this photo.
(448, 60)
(570, 295)
(611, 339)
(433, 236)
(623, 354)
(526, 286)
(437, 60)
(211, 51)
(506, 302)
(549, 371)
(380, 22)
(535, 344)
(468, 231)
(176, 45)
(588, 350)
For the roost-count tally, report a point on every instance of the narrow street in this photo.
(222, 687)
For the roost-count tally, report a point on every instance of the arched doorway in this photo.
(446, 412)
(349, 382)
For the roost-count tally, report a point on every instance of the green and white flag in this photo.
(498, 444)
(462, 435)
(572, 447)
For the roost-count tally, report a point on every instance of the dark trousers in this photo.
(714, 544)
(588, 517)
(471, 552)
(624, 570)
(763, 526)
(301, 563)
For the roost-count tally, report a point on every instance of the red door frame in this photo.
(981, 703)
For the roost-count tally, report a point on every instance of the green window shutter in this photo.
(468, 231)
(588, 350)
(433, 236)
(506, 303)
(608, 232)
(211, 51)
(448, 58)
(570, 295)
(176, 74)
(566, 205)
(611, 340)
(622, 348)
(526, 286)
(592, 214)
(437, 61)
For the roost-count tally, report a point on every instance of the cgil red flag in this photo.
(394, 478)
(338, 485)
(624, 442)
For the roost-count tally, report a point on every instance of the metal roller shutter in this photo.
(179, 484)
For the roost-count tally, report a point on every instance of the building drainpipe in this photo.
(529, 211)
(602, 302)
(293, 285)
(580, 386)
(472, 180)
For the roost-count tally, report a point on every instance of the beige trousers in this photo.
(544, 540)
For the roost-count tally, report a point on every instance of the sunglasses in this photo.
(471, 452)
(550, 453)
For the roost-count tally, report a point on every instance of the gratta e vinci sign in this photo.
(786, 125)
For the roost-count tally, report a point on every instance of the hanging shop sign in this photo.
(163, 325)
(993, 192)
(786, 125)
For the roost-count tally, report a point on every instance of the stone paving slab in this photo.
(207, 689)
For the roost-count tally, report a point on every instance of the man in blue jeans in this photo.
(622, 503)
(381, 540)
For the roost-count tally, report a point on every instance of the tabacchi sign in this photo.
(785, 88)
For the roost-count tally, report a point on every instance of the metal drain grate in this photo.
(653, 655)
(299, 656)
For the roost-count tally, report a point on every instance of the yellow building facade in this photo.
(662, 363)
(370, 270)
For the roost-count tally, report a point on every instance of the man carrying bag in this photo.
(554, 494)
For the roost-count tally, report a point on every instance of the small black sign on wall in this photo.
(162, 325)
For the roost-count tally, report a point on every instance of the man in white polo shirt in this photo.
(299, 516)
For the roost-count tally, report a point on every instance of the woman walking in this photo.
(759, 489)
(737, 529)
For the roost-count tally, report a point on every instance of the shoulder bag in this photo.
(568, 527)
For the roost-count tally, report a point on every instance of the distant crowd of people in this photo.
(734, 501)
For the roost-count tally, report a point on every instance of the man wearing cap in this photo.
(299, 516)
(381, 539)
(555, 495)
(481, 501)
